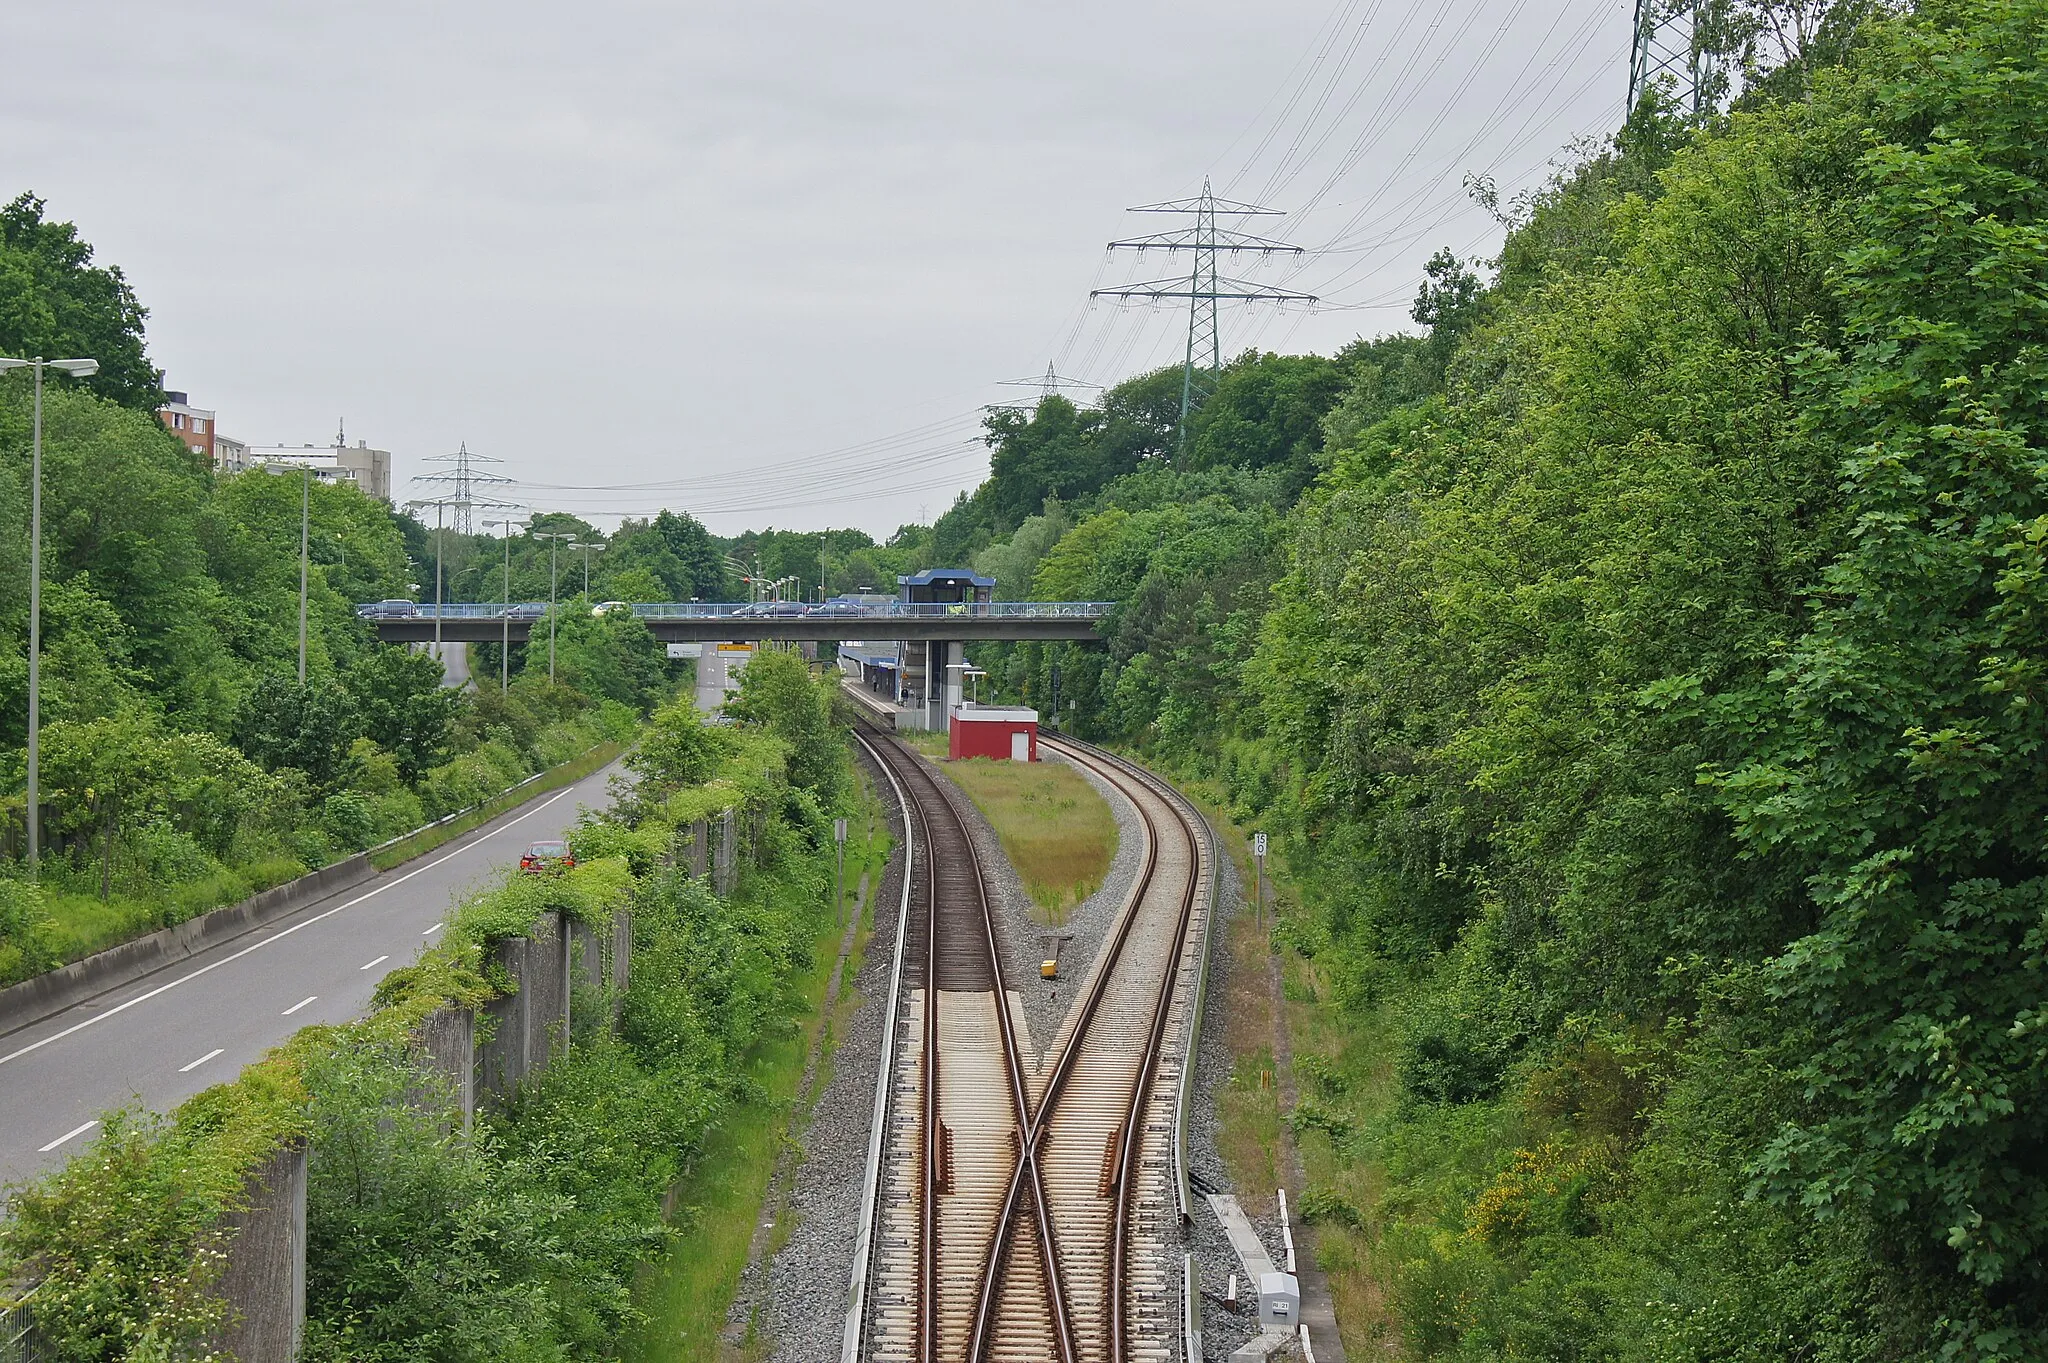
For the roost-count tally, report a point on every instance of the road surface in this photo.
(163, 1038)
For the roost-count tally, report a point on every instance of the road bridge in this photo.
(713, 621)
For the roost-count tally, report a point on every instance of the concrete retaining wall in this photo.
(445, 1045)
(34, 999)
(265, 1278)
(530, 1026)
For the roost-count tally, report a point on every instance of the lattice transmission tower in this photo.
(1668, 46)
(462, 481)
(1203, 286)
(1048, 385)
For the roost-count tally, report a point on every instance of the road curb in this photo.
(42, 996)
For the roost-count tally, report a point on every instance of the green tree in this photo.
(1897, 753)
(399, 700)
(778, 693)
(305, 727)
(54, 302)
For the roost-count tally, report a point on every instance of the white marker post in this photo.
(839, 870)
(1258, 875)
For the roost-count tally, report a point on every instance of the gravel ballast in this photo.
(802, 1304)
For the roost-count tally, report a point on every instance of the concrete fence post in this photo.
(445, 1045)
(546, 988)
(622, 951)
(530, 1026)
(700, 849)
(586, 978)
(501, 1055)
(264, 1283)
(723, 862)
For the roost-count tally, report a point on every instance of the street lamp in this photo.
(505, 650)
(588, 550)
(305, 527)
(77, 369)
(555, 541)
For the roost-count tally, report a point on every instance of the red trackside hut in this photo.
(979, 731)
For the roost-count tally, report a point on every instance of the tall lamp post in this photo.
(555, 541)
(505, 650)
(588, 550)
(77, 369)
(305, 527)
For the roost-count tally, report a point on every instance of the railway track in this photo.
(1025, 1203)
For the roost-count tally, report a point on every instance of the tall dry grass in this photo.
(1057, 831)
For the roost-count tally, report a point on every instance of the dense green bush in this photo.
(520, 1238)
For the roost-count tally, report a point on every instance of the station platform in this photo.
(903, 718)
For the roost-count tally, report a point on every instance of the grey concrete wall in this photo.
(34, 999)
(700, 849)
(264, 1282)
(445, 1045)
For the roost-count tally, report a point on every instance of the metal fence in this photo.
(18, 1333)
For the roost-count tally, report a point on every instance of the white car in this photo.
(607, 607)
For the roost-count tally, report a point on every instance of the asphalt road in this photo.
(163, 1038)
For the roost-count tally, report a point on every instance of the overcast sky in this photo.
(778, 252)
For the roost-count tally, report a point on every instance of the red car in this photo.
(546, 856)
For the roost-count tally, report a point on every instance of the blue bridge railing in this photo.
(849, 612)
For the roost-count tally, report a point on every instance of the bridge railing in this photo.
(744, 610)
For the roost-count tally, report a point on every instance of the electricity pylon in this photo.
(1667, 45)
(464, 481)
(1048, 385)
(1203, 287)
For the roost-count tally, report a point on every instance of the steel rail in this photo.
(1026, 1171)
(1070, 1052)
(1141, 1081)
(1063, 1066)
(871, 1182)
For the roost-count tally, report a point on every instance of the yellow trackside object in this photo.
(1050, 970)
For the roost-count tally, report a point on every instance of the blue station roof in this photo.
(931, 575)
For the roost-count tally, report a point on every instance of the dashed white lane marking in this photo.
(269, 941)
(187, 1069)
(367, 964)
(297, 1006)
(431, 931)
(74, 1131)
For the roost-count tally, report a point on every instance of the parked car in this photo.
(542, 857)
(393, 609)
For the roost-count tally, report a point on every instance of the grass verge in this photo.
(688, 1296)
(434, 835)
(1345, 1085)
(1056, 829)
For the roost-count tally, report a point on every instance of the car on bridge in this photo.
(393, 609)
(841, 608)
(771, 610)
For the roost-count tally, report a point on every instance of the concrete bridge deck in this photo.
(709, 622)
